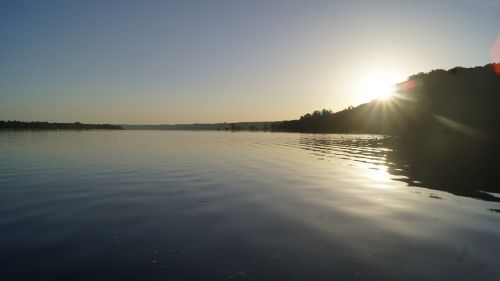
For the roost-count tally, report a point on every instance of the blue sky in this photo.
(211, 61)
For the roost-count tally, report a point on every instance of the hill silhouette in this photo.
(460, 101)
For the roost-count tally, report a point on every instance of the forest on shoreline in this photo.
(462, 101)
(20, 125)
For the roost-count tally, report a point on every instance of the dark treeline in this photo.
(462, 101)
(19, 125)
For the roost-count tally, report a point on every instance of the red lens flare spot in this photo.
(495, 55)
(496, 68)
(406, 86)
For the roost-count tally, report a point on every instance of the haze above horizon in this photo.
(184, 62)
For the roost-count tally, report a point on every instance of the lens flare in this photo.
(495, 55)
(406, 86)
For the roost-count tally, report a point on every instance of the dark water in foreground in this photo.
(167, 205)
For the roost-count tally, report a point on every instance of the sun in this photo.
(378, 86)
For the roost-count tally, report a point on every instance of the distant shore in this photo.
(20, 125)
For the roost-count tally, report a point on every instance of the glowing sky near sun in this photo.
(185, 61)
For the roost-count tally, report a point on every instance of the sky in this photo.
(167, 62)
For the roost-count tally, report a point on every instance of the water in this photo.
(180, 205)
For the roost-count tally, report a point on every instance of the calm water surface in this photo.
(179, 205)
